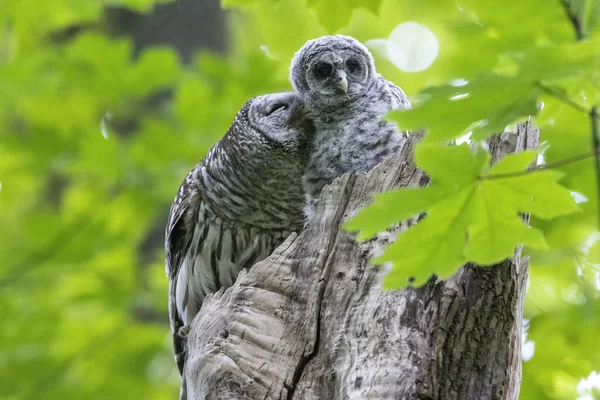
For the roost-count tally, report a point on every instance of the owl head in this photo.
(332, 69)
(279, 120)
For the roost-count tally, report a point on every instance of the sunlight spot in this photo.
(459, 82)
(104, 124)
(265, 49)
(590, 241)
(528, 347)
(543, 147)
(464, 138)
(417, 43)
(411, 47)
(540, 159)
(540, 105)
(528, 350)
(587, 385)
(460, 96)
(578, 197)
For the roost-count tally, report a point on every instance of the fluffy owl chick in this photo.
(237, 205)
(337, 79)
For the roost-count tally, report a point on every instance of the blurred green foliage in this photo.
(94, 144)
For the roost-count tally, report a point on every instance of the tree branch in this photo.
(557, 164)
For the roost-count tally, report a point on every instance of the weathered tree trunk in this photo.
(312, 322)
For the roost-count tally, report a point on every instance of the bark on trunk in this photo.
(311, 321)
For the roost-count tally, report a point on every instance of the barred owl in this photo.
(336, 77)
(237, 205)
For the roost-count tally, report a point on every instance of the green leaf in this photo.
(391, 207)
(537, 192)
(435, 245)
(562, 337)
(485, 105)
(547, 198)
(156, 68)
(553, 63)
(472, 212)
(495, 230)
(334, 14)
(593, 17)
(489, 102)
(512, 163)
(445, 164)
(577, 8)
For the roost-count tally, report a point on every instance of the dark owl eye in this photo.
(353, 66)
(323, 70)
(276, 108)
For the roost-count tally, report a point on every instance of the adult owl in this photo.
(237, 205)
(337, 79)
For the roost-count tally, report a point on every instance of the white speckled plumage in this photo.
(237, 205)
(337, 79)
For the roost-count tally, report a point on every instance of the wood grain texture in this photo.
(311, 321)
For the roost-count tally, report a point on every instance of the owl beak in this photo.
(341, 81)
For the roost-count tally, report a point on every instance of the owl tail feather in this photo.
(183, 390)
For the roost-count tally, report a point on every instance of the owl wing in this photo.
(178, 239)
(395, 97)
(202, 254)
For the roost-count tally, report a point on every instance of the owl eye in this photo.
(353, 66)
(276, 108)
(323, 70)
